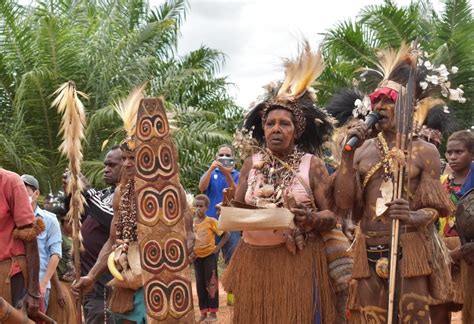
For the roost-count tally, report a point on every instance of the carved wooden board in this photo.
(161, 232)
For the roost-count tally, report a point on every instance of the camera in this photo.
(226, 161)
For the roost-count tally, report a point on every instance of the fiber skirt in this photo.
(66, 314)
(271, 285)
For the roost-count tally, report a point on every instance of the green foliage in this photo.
(447, 36)
(107, 48)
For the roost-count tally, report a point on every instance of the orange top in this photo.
(205, 233)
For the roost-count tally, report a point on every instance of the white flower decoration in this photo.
(361, 107)
(428, 65)
(446, 109)
(454, 69)
(456, 94)
(440, 69)
(444, 92)
(423, 85)
(432, 79)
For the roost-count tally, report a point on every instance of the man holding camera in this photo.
(221, 175)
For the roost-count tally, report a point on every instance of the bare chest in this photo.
(372, 168)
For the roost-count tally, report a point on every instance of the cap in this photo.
(30, 180)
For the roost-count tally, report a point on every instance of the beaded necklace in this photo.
(385, 162)
(383, 149)
(278, 174)
(127, 214)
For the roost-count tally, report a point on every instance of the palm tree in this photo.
(446, 36)
(107, 48)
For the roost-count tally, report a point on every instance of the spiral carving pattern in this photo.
(167, 254)
(168, 298)
(160, 209)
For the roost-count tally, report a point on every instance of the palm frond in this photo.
(391, 24)
(352, 42)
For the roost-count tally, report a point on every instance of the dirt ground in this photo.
(224, 316)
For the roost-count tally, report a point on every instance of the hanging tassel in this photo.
(121, 300)
(431, 194)
(361, 268)
(326, 293)
(415, 261)
(353, 314)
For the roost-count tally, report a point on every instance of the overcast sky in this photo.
(256, 34)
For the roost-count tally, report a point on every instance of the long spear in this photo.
(404, 108)
(72, 130)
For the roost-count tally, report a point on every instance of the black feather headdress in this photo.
(312, 125)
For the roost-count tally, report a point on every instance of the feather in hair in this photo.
(423, 108)
(301, 73)
(389, 58)
(128, 109)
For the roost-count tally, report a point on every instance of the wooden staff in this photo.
(72, 130)
(404, 108)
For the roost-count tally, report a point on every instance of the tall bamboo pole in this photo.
(404, 125)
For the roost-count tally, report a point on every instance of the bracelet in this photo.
(37, 296)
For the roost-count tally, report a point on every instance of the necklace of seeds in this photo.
(383, 148)
(127, 215)
(279, 175)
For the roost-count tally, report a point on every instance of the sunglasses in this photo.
(226, 155)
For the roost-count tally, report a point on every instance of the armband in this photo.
(29, 233)
(433, 213)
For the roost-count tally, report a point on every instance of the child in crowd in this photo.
(460, 155)
(205, 254)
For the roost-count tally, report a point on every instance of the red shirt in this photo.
(15, 211)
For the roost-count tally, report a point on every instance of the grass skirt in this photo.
(65, 314)
(271, 285)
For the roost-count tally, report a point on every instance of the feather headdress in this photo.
(423, 108)
(300, 73)
(127, 109)
(389, 58)
(312, 125)
(431, 85)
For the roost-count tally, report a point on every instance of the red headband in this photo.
(387, 92)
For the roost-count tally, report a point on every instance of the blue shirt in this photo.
(214, 190)
(49, 241)
(469, 183)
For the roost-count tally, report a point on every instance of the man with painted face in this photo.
(361, 185)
